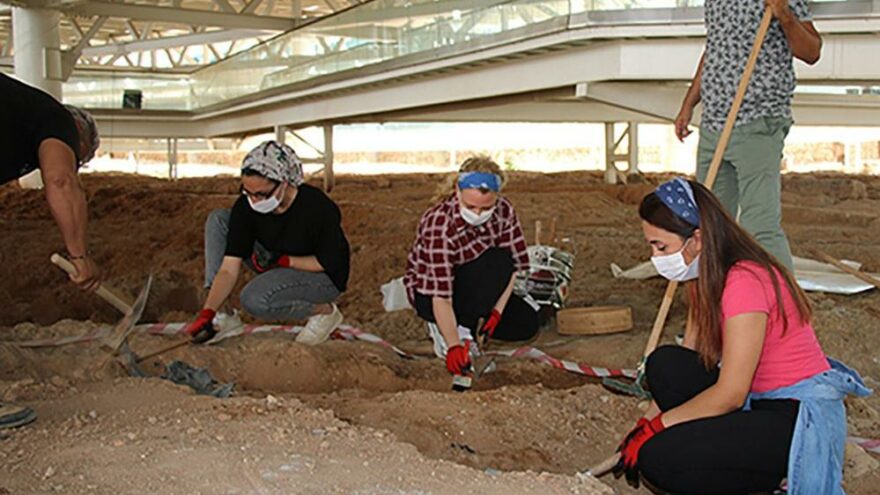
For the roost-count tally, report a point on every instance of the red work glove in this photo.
(202, 329)
(263, 265)
(491, 324)
(458, 358)
(632, 443)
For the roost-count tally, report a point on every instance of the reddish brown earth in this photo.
(353, 417)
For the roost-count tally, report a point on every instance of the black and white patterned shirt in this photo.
(731, 26)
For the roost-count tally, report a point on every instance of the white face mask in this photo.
(476, 219)
(265, 206)
(673, 267)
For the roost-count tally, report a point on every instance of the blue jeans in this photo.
(278, 294)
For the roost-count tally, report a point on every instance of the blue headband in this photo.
(479, 180)
(678, 196)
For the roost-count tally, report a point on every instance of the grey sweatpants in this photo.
(278, 294)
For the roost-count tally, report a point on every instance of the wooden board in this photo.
(594, 321)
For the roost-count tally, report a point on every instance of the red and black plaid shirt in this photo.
(444, 240)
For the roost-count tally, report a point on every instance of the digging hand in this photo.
(491, 324)
(88, 275)
(202, 329)
(630, 447)
(458, 358)
(781, 9)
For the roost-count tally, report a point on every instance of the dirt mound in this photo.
(149, 436)
(524, 416)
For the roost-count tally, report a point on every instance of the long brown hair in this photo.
(724, 244)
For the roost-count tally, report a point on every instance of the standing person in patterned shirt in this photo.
(749, 178)
(463, 263)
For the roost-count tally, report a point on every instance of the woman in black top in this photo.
(288, 232)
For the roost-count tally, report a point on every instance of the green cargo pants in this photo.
(749, 180)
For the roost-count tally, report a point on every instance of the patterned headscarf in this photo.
(678, 196)
(88, 132)
(275, 161)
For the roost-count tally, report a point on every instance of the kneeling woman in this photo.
(773, 407)
(463, 264)
(290, 234)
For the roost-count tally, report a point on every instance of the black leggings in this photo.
(476, 289)
(737, 453)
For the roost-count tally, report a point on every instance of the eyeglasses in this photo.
(259, 195)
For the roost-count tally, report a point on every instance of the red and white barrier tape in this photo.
(349, 333)
(570, 366)
(867, 444)
(343, 332)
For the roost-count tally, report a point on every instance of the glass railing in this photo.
(159, 92)
(375, 34)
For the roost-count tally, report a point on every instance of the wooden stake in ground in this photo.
(660, 321)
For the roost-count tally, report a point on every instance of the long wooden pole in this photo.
(720, 149)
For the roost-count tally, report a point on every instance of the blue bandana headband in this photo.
(678, 196)
(479, 180)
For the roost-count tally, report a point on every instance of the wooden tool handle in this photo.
(721, 147)
(106, 293)
(537, 232)
(848, 269)
(660, 321)
(603, 467)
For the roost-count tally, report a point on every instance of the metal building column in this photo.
(613, 175)
(37, 48)
(37, 57)
(633, 150)
(329, 177)
(172, 159)
(280, 134)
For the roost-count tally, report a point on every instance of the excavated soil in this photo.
(354, 417)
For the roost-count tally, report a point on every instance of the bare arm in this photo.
(67, 201)
(224, 282)
(445, 318)
(743, 341)
(691, 99)
(803, 38)
(505, 296)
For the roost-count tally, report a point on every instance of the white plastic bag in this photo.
(394, 295)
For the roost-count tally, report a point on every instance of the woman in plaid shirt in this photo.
(463, 263)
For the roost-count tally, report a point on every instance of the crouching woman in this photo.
(290, 234)
(463, 263)
(751, 398)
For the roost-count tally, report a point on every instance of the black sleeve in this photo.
(241, 238)
(331, 246)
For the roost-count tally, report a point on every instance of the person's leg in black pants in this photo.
(476, 289)
(737, 453)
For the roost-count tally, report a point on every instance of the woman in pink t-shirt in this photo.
(748, 313)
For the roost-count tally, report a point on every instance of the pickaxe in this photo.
(117, 342)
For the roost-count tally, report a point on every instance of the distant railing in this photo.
(385, 30)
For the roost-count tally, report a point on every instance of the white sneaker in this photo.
(319, 327)
(439, 341)
(440, 346)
